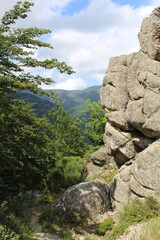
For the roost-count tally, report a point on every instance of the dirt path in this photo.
(39, 234)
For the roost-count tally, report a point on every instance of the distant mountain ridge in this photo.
(73, 100)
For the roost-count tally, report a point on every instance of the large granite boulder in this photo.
(87, 200)
(131, 98)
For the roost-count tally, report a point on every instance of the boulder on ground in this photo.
(85, 200)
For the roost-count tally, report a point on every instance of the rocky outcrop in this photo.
(141, 178)
(84, 200)
(131, 98)
(100, 157)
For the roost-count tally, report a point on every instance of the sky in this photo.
(85, 34)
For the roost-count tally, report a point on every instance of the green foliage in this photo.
(137, 212)
(106, 225)
(67, 172)
(94, 124)
(14, 57)
(140, 211)
(14, 220)
(32, 149)
(65, 132)
(25, 146)
(68, 143)
(7, 234)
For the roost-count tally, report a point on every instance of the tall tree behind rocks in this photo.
(25, 149)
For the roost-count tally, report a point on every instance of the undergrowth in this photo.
(15, 217)
(138, 211)
(134, 213)
(106, 225)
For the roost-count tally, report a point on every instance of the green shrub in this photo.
(140, 211)
(7, 234)
(106, 225)
(67, 172)
(13, 224)
(137, 211)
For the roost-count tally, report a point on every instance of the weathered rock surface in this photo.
(131, 86)
(101, 173)
(131, 98)
(141, 178)
(149, 36)
(85, 199)
(134, 103)
(100, 157)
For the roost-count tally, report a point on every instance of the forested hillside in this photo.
(74, 101)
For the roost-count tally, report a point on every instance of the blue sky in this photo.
(135, 3)
(76, 6)
(85, 34)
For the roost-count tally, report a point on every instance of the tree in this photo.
(94, 124)
(69, 148)
(65, 132)
(16, 52)
(26, 151)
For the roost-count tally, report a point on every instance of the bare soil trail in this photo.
(39, 234)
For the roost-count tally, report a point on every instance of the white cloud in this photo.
(89, 38)
(71, 84)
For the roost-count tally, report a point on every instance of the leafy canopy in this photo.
(17, 48)
(26, 150)
(94, 123)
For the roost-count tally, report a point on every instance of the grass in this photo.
(110, 174)
(150, 230)
(134, 213)
(106, 225)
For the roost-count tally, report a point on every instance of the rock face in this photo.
(131, 98)
(85, 200)
(100, 157)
